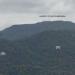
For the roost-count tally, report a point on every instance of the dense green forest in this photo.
(37, 55)
(31, 50)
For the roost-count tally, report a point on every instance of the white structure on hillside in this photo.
(2, 53)
(58, 47)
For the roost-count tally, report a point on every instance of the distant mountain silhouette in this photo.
(32, 50)
(26, 30)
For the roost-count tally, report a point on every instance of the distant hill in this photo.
(37, 55)
(26, 30)
(40, 52)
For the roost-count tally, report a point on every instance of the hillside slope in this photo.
(26, 30)
(37, 55)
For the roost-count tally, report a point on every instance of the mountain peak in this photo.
(26, 30)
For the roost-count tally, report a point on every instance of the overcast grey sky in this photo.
(37, 6)
(26, 11)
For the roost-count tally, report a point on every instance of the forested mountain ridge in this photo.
(27, 30)
(38, 55)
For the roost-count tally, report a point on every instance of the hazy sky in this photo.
(27, 11)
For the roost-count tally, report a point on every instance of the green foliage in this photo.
(37, 55)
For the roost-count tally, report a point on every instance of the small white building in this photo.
(58, 47)
(2, 53)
